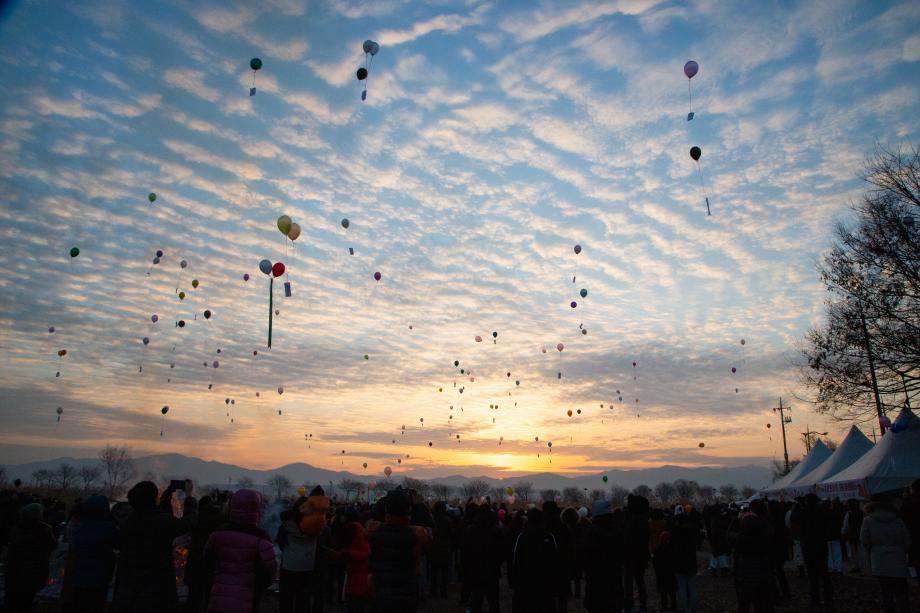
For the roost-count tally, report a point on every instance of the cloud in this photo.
(549, 18)
(191, 81)
(440, 23)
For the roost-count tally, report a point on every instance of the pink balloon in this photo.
(560, 347)
(478, 339)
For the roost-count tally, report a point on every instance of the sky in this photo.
(495, 136)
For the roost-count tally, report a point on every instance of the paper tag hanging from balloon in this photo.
(287, 289)
(690, 116)
(252, 91)
(351, 251)
(364, 95)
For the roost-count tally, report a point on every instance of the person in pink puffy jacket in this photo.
(242, 557)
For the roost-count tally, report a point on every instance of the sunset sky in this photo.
(495, 137)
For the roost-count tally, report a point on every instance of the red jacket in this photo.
(359, 550)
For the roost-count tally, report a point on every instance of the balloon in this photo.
(569, 412)
(495, 335)
(560, 347)
(246, 276)
(74, 252)
(577, 249)
(181, 295)
(156, 260)
(769, 426)
(550, 444)
(388, 471)
(62, 353)
(255, 352)
(145, 340)
(195, 283)
(604, 478)
(301, 491)
(733, 370)
(430, 443)
(215, 363)
(365, 465)
(51, 329)
(164, 410)
(183, 264)
(345, 223)
(456, 362)
(255, 63)
(478, 339)
(152, 197)
(207, 314)
(181, 323)
(154, 318)
(371, 47)
(280, 390)
(295, 232)
(362, 73)
(266, 266)
(702, 445)
(377, 276)
(691, 68)
(277, 311)
(366, 357)
(573, 304)
(159, 253)
(584, 331)
(584, 293)
(634, 364)
(695, 153)
(277, 269)
(60, 410)
(284, 224)
(742, 342)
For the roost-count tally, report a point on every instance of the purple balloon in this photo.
(146, 340)
(691, 68)
(215, 363)
(377, 276)
(246, 277)
(573, 304)
(155, 318)
(51, 330)
(159, 253)
(577, 249)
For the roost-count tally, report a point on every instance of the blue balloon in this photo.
(266, 266)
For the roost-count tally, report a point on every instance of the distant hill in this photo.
(173, 466)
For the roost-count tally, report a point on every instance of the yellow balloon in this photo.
(510, 491)
(301, 491)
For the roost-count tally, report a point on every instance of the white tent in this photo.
(893, 463)
(853, 447)
(818, 454)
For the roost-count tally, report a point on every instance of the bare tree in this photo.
(642, 490)
(441, 491)
(245, 483)
(88, 476)
(665, 493)
(117, 468)
(280, 485)
(872, 276)
(728, 492)
(549, 494)
(597, 494)
(3, 476)
(618, 495)
(687, 490)
(475, 488)
(707, 494)
(42, 477)
(523, 490)
(65, 475)
(779, 468)
(747, 491)
(349, 486)
(421, 487)
(572, 495)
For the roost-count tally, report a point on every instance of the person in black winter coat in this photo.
(565, 544)
(93, 551)
(198, 580)
(637, 555)
(146, 577)
(27, 558)
(482, 548)
(780, 544)
(753, 567)
(536, 568)
(684, 535)
(441, 548)
(665, 575)
(813, 536)
(603, 564)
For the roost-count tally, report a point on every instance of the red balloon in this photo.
(278, 269)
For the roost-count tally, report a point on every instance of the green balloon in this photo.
(366, 357)
(255, 63)
(152, 197)
(284, 224)
(584, 293)
(74, 252)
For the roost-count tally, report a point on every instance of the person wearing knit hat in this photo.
(602, 563)
(31, 543)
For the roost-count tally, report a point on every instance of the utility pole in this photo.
(783, 420)
(808, 434)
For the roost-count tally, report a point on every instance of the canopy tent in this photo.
(818, 454)
(853, 447)
(893, 463)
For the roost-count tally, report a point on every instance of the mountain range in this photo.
(167, 466)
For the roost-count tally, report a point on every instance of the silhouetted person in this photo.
(813, 536)
(27, 561)
(536, 566)
(92, 548)
(753, 566)
(441, 548)
(482, 548)
(886, 541)
(637, 555)
(603, 563)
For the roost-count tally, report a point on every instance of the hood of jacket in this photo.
(246, 507)
(882, 511)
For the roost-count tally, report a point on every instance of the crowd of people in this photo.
(389, 556)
